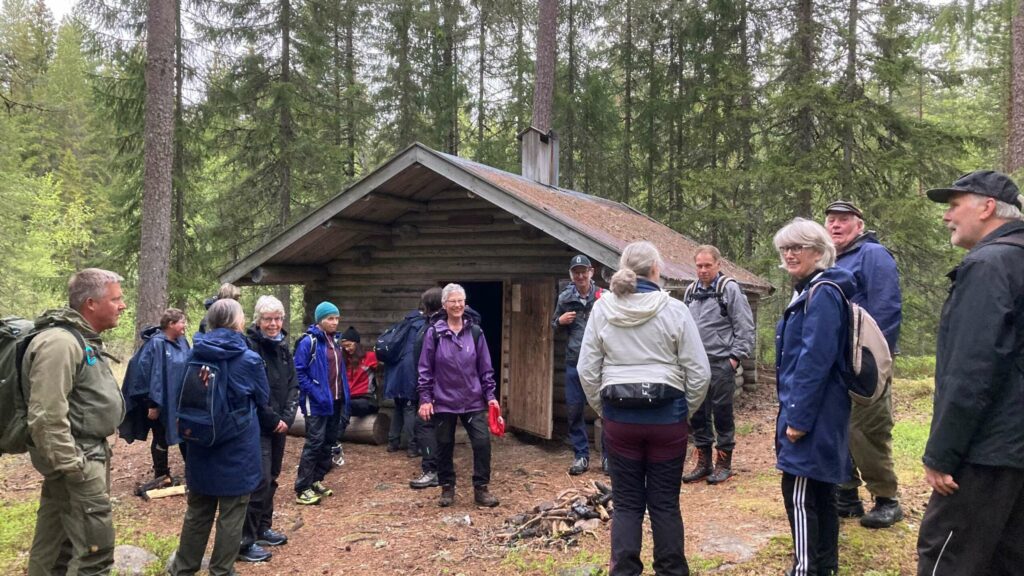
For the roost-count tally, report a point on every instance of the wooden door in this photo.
(531, 356)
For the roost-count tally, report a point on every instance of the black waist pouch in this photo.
(640, 395)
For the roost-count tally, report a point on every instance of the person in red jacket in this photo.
(361, 369)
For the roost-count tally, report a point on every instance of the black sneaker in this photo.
(271, 538)
(885, 513)
(579, 466)
(254, 553)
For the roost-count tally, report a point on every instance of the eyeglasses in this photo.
(457, 302)
(274, 319)
(795, 249)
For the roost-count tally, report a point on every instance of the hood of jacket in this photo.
(839, 276)
(256, 335)
(633, 309)
(149, 332)
(866, 237)
(67, 316)
(440, 322)
(220, 344)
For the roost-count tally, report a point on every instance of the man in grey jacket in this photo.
(726, 326)
(571, 313)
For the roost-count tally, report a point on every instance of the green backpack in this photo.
(15, 334)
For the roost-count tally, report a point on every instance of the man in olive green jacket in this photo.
(73, 405)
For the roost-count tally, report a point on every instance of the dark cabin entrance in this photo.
(486, 298)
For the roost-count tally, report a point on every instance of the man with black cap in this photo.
(974, 458)
(572, 310)
(878, 292)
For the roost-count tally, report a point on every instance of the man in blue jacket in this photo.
(974, 458)
(877, 291)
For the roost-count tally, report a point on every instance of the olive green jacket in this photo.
(72, 406)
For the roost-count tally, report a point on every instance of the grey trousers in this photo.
(195, 533)
(871, 448)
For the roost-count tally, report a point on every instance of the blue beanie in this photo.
(325, 309)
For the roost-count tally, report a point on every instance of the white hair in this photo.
(267, 304)
(1003, 211)
(807, 233)
(449, 290)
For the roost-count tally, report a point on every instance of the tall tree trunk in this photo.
(627, 133)
(286, 134)
(179, 244)
(1015, 121)
(653, 96)
(350, 89)
(544, 86)
(154, 252)
(568, 146)
(805, 114)
(746, 132)
(481, 70)
(849, 96)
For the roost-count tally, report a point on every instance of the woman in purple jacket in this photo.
(456, 381)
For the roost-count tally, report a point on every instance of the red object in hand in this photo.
(495, 421)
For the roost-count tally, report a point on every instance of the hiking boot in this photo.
(848, 504)
(723, 467)
(885, 513)
(307, 497)
(483, 497)
(447, 496)
(271, 538)
(254, 553)
(701, 465)
(579, 466)
(393, 448)
(428, 480)
(320, 489)
(412, 452)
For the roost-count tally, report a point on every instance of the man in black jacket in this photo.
(974, 459)
(268, 338)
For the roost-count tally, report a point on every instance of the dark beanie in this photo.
(350, 334)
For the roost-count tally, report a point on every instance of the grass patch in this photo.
(744, 429)
(17, 524)
(908, 440)
(539, 562)
(161, 546)
(914, 366)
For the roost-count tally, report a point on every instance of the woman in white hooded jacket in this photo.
(644, 369)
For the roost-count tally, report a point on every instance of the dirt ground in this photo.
(376, 524)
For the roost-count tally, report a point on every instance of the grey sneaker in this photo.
(579, 466)
(427, 480)
(339, 456)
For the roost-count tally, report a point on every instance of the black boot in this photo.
(848, 504)
(447, 496)
(701, 467)
(723, 467)
(886, 512)
(483, 497)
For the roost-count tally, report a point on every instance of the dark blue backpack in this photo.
(390, 344)
(207, 413)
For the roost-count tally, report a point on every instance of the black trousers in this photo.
(426, 440)
(814, 524)
(259, 515)
(979, 529)
(158, 449)
(315, 461)
(717, 405)
(475, 424)
(361, 406)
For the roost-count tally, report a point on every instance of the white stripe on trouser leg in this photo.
(935, 569)
(800, 544)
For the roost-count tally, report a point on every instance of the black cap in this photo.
(579, 260)
(350, 334)
(983, 182)
(844, 206)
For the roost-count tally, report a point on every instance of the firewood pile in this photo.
(575, 512)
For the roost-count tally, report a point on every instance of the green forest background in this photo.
(721, 118)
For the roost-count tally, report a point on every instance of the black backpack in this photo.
(390, 344)
(15, 336)
(723, 306)
(207, 413)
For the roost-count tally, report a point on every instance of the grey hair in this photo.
(708, 249)
(267, 304)
(225, 313)
(806, 233)
(449, 290)
(1004, 211)
(229, 290)
(638, 259)
(90, 283)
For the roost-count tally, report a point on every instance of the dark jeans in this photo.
(426, 439)
(979, 529)
(814, 524)
(402, 423)
(158, 448)
(646, 469)
(575, 404)
(475, 424)
(195, 533)
(315, 461)
(259, 516)
(717, 405)
(362, 406)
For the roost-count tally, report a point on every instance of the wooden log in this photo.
(164, 492)
(372, 429)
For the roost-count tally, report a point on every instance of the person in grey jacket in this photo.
(642, 343)
(726, 326)
(571, 312)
